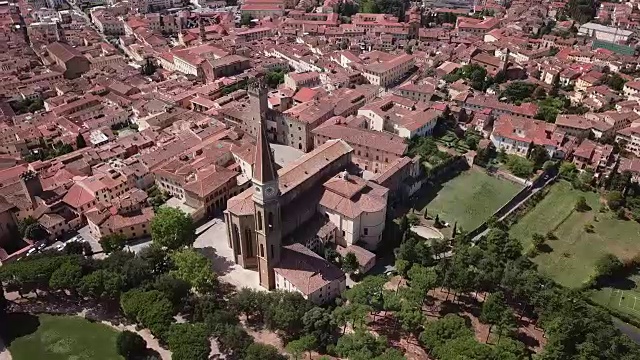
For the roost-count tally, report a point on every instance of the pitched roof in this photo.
(264, 170)
(305, 270)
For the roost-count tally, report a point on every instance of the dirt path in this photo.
(4, 352)
(152, 342)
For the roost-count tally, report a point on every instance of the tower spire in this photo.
(264, 170)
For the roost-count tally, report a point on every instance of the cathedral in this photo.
(278, 225)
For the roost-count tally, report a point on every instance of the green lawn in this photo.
(571, 257)
(623, 296)
(471, 198)
(60, 338)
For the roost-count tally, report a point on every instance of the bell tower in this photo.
(266, 200)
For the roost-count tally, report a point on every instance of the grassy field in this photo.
(60, 338)
(623, 296)
(470, 198)
(570, 259)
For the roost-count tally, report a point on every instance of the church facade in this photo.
(275, 225)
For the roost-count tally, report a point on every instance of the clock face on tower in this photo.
(269, 191)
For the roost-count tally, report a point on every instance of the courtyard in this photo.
(469, 199)
(570, 258)
(60, 338)
(211, 241)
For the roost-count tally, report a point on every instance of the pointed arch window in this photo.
(260, 220)
(270, 220)
(248, 242)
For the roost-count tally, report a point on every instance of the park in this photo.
(60, 338)
(580, 238)
(469, 199)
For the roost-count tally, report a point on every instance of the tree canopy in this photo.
(172, 228)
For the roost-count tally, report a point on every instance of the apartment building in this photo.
(372, 150)
(517, 135)
(69, 59)
(389, 72)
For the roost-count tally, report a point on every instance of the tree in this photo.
(172, 228)
(402, 266)
(608, 265)
(258, 351)
(615, 81)
(246, 19)
(80, 142)
(176, 290)
(194, 268)
(361, 345)
(318, 323)
(298, 347)
(130, 345)
(520, 166)
(581, 10)
(156, 258)
(4, 304)
(437, 333)
(34, 231)
(148, 68)
(583, 181)
(581, 204)
(568, 171)
(101, 284)
(539, 93)
(368, 292)
(404, 224)
(615, 200)
(510, 349)
(234, 340)
(188, 342)
(274, 78)
(537, 240)
(354, 314)
(422, 279)
(465, 348)
(332, 256)
(538, 155)
(284, 313)
(410, 317)
(493, 310)
(518, 91)
(350, 263)
(113, 242)
(66, 277)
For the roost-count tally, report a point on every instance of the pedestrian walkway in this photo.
(4, 352)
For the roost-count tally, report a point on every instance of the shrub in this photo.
(130, 345)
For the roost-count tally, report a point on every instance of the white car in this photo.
(31, 251)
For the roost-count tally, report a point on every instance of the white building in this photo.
(389, 72)
(602, 32)
(356, 207)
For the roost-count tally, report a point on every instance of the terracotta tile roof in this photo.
(574, 121)
(351, 196)
(373, 139)
(310, 163)
(363, 255)
(78, 196)
(306, 270)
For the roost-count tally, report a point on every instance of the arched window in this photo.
(259, 220)
(270, 220)
(236, 239)
(248, 242)
(261, 250)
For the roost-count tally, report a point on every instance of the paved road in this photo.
(536, 187)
